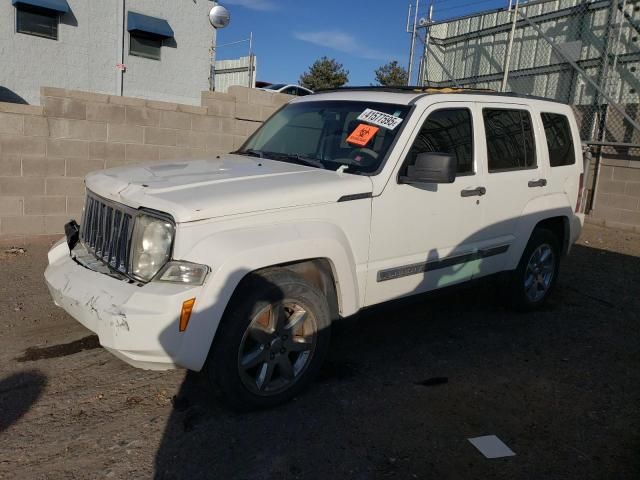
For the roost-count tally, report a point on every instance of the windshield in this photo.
(277, 86)
(329, 134)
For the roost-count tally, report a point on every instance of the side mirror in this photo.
(432, 168)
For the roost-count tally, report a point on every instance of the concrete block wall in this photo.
(617, 195)
(45, 151)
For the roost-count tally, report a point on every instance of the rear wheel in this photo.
(534, 279)
(272, 340)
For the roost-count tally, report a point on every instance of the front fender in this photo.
(232, 254)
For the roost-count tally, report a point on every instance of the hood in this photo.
(230, 185)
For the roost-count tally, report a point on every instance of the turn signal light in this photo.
(185, 315)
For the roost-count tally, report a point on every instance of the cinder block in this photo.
(609, 186)
(14, 144)
(238, 141)
(67, 148)
(245, 111)
(174, 153)
(106, 112)
(208, 99)
(45, 205)
(626, 174)
(80, 167)
(21, 109)
(10, 166)
(266, 112)
(107, 151)
(207, 124)
(241, 94)
(220, 143)
(142, 116)
(55, 224)
(65, 186)
(42, 167)
(178, 120)
(279, 99)
(53, 92)
(630, 218)
(169, 106)
(606, 173)
(159, 136)
(192, 109)
(11, 123)
(75, 205)
(191, 139)
(632, 189)
(619, 201)
(605, 213)
(614, 162)
(65, 108)
(222, 109)
(88, 96)
(228, 126)
(260, 97)
(77, 129)
(141, 153)
(126, 133)
(21, 186)
(11, 206)
(36, 126)
(131, 101)
(23, 225)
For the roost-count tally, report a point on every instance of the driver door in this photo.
(426, 236)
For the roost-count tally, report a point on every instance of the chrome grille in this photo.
(106, 231)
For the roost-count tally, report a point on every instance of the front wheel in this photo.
(271, 342)
(534, 279)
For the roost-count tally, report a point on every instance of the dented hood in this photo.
(230, 185)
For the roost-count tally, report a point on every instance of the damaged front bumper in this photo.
(139, 324)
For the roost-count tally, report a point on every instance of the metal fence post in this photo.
(507, 59)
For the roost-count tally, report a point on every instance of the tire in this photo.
(271, 342)
(533, 281)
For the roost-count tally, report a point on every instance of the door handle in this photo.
(538, 183)
(473, 192)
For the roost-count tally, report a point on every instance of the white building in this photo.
(164, 46)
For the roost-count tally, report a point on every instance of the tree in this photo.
(392, 75)
(324, 73)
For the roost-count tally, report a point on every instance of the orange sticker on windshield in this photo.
(362, 134)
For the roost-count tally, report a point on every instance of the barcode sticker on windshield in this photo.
(381, 119)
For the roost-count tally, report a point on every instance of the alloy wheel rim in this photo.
(539, 273)
(277, 348)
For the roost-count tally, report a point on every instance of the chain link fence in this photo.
(584, 53)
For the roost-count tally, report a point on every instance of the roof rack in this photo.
(408, 89)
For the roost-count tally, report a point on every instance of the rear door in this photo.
(515, 175)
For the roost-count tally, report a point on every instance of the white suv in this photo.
(239, 265)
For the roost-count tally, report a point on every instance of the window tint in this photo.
(447, 131)
(510, 139)
(559, 141)
(290, 91)
(143, 46)
(302, 93)
(36, 22)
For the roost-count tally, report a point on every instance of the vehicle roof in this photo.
(409, 95)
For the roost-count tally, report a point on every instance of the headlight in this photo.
(151, 246)
(183, 272)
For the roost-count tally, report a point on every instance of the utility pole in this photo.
(413, 40)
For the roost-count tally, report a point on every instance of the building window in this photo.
(447, 131)
(145, 46)
(510, 140)
(41, 23)
(559, 141)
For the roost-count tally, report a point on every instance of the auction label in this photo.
(381, 119)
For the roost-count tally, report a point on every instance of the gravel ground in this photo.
(561, 387)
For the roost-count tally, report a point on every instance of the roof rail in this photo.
(407, 89)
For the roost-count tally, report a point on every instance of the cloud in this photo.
(342, 42)
(263, 5)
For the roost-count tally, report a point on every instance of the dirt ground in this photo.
(561, 387)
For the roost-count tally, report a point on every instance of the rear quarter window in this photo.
(557, 130)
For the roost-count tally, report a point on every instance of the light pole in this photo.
(219, 17)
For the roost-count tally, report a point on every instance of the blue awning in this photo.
(157, 27)
(60, 6)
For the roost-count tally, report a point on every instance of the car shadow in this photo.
(18, 393)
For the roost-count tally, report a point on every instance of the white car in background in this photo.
(288, 89)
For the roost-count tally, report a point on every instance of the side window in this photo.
(447, 131)
(301, 92)
(510, 139)
(291, 91)
(559, 141)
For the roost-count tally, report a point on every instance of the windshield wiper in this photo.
(250, 152)
(297, 158)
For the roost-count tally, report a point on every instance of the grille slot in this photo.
(106, 231)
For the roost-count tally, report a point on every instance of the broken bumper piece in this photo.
(138, 324)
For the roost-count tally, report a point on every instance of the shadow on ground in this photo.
(560, 387)
(18, 393)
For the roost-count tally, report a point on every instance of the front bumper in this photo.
(138, 324)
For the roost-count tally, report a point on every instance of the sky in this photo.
(289, 35)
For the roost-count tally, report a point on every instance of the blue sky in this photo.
(362, 35)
